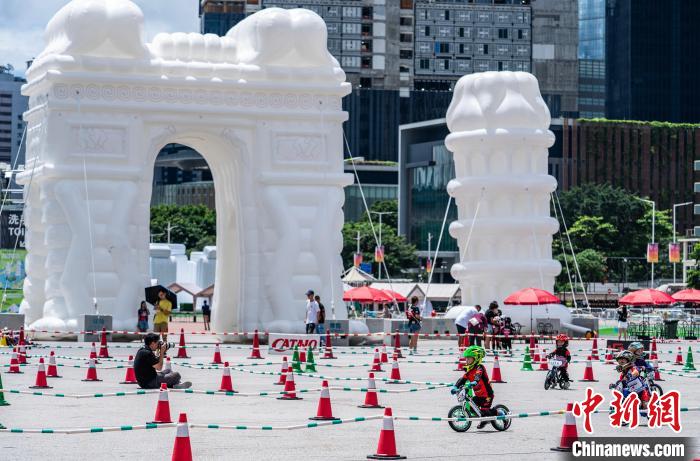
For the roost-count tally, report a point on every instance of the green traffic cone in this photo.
(689, 366)
(310, 364)
(3, 402)
(527, 360)
(296, 365)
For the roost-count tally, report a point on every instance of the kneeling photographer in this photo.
(149, 363)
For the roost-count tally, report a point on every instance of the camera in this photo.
(167, 345)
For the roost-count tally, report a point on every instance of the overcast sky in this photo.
(22, 24)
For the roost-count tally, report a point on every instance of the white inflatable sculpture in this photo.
(262, 105)
(499, 135)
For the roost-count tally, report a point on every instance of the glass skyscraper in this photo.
(591, 54)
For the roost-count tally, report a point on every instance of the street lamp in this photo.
(676, 205)
(381, 213)
(653, 229)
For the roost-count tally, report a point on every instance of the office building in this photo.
(12, 106)
(591, 55)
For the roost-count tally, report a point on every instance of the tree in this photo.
(593, 232)
(192, 225)
(591, 264)
(390, 206)
(398, 254)
(694, 274)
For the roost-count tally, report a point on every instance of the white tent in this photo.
(356, 277)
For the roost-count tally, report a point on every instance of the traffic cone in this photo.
(3, 402)
(371, 400)
(41, 382)
(310, 364)
(296, 365)
(324, 411)
(536, 354)
(93, 354)
(21, 336)
(376, 364)
(689, 366)
(657, 373)
(397, 344)
(217, 356)
(496, 373)
(52, 369)
(594, 350)
(544, 366)
(527, 361)
(91, 372)
(22, 355)
(167, 368)
(302, 357)
(679, 357)
(130, 377)
(283, 376)
(588, 372)
(162, 407)
(386, 448)
(289, 387)
(255, 354)
(383, 358)
(14, 363)
(104, 353)
(532, 342)
(182, 349)
(395, 373)
(182, 450)
(569, 434)
(329, 347)
(460, 363)
(609, 357)
(653, 355)
(226, 383)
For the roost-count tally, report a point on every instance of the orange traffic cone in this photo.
(21, 335)
(14, 363)
(328, 354)
(397, 344)
(383, 358)
(532, 342)
(22, 355)
(289, 387)
(104, 353)
(255, 354)
(386, 448)
(91, 372)
(609, 357)
(40, 382)
(588, 372)
(376, 364)
(460, 363)
(395, 373)
(496, 373)
(544, 366)
(324, 411)
(536, 354)
(679, 357)
(167, 368)
(569, 434)
(226, 383)
(93, 354)
(594, 351)
(130, 377)
(653, 355)
(182, 349)
(657, 374)
(52, 370)
(283, 376)
(182, 450)
(162, 407)
(217, 356)
(371, 400)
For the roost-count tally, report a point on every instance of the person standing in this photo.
(206, 315)
(477, 324)
(143, 314)
(312, 311)
(162, 317)
(622, 314)
(414, 319)
(462, 324)
(491, 324)
(321, 319)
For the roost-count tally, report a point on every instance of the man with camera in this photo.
(149, 363)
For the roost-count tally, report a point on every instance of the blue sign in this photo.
(366, 267)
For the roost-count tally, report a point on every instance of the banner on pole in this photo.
(379, 254)
(653, 253)
(357, 259)
(674, 252)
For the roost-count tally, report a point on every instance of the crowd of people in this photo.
(490, 328)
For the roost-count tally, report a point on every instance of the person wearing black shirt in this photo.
(491, 314)
(206, 315)
(622, 322)
(148, 366)
(414, 319)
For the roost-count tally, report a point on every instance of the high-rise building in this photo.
(12, 106)
(591, 55)
(652, 60)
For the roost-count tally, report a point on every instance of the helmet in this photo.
(477, 353)
(564, 338)
(636, 348)
(625, 355)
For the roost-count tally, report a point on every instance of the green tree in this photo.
(192, 225)
(385, 206)
(591, 263)
(694, 274)
(593, 232)
(398, 254)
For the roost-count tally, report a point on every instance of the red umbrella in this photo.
(531, 297)
(688, 296)
(366, 295)
(397, 296)
(646, 297)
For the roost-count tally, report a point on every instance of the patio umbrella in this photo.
(646, 297)
(687, 296)
(531, 297)
(397, 296)
(366, 295)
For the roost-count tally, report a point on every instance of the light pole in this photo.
(168, 229)
(381, 213)
(676, 205)
(653, 229)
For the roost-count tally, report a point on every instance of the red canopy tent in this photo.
(687, 296)
(647, 297)
(366, 295)
(531, 297)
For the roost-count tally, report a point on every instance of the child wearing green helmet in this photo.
(476, 377)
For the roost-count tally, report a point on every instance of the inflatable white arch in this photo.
(262, 105)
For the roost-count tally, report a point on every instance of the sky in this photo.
(22, 24)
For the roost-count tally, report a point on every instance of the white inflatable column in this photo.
(499, 137)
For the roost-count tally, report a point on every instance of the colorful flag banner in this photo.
(379, 254)
(653, 253)
(357, 259)
(674, 252)
(428, 265)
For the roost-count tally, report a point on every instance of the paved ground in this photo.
(529, 438)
